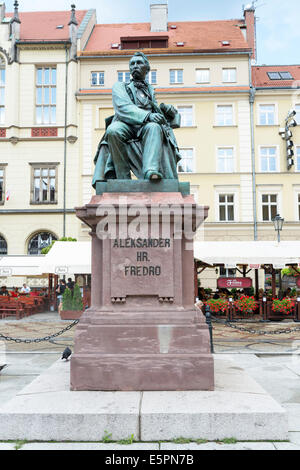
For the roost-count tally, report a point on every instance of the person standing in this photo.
(70, 284)
(60, 289)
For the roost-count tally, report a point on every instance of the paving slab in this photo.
(90, 446)
(4, 446)
(70, 416)
(293, 411)
(294, 437)
(212, 416)
(46, 410)
(280, 382)
(28, 364)
(219, 446)
(286, 446)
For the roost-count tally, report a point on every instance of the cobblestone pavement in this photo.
(37, 326)
(226, 339)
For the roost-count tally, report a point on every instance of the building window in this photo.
(226, 207)
(97, 78)
(229, 75)
(44, 185)
(187, 115)
(2, 91)
(297, 158)
(176, 76)
(297, 117)
(46, 95)
(269, 207)
(2, 185)
(202, 76)
(152, 77)
(267, 114)
(186, 164)
(224, 115)
(3, 246)
(40, 241)
(124, 77)
(227, 272)
(225, 162)
(268, 159)
(280, 75)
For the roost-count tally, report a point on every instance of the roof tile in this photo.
(261, 78)
(200, 35)
(42, 25)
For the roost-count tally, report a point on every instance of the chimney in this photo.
(250, 21)
(2, 11)
(159, 17)
(73, 26)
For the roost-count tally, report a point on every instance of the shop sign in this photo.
(234, 282)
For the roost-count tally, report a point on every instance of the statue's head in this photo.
(139, 66)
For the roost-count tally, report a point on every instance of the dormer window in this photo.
(280, 75)
(157, 42)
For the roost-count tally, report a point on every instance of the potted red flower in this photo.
(217, 305)
(246, 304)
(284, 306)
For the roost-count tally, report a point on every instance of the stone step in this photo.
(46, 410)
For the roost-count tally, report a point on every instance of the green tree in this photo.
(67, 300)
(77, 303)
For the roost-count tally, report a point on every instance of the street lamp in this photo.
(278, 224)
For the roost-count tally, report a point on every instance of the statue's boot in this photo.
(153, 175)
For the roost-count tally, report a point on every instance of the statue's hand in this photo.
(156, 117)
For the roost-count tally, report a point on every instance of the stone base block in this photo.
(142, 372)
(46, 410)
(142, 352)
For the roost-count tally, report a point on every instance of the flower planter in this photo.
(282, 309)
(70, 314)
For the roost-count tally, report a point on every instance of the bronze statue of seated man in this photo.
(139, 138)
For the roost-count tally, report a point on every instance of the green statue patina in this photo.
(139, 138)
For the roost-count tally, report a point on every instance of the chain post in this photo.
(210, 327)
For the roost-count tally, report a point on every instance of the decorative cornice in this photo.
(40, 45)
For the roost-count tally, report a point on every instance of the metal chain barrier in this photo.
(39, 340)
(256, 332)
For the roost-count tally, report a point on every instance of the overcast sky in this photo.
(278, 26)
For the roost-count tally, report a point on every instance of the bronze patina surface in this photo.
(139, 138)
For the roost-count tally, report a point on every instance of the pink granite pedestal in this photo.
(143, 331)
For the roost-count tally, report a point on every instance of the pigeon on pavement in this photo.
(66, 354)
